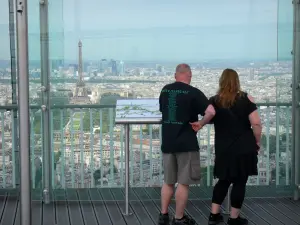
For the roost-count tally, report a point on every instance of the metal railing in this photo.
(88, 148)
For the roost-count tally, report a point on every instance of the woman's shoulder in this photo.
(246, 96)
(212, 99)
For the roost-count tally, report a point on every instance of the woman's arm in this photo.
(255, 123)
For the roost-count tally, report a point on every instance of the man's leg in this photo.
(170, 178)
(188, 173)
(181, 196)
(167, 190)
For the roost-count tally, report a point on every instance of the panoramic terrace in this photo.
(66, 164)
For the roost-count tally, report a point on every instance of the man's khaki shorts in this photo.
(183, 168)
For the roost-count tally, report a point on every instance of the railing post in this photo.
(127, 152)
(45, 90)
(25, 192)
(296, 100)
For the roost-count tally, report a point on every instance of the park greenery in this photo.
(104, 116)
(58, 117)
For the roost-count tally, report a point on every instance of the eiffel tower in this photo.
(81, 92)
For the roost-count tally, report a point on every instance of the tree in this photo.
(57, 98)
(282, 172)
(105, 172)
(272, 142)
(56, 158)
(106, 99)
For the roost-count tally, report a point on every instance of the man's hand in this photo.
(196, 126)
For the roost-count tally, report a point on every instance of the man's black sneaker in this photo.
(185, 220)
(163, 219)
(215, 219)
(237, 221)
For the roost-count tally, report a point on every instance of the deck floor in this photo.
(105, 207)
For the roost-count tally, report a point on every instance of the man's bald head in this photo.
(183, 73)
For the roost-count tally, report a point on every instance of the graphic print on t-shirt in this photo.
(172, 106)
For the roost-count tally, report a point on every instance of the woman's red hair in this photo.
(229, 88)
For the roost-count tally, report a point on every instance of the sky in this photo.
(168, 30)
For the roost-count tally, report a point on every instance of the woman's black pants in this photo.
(237, 193)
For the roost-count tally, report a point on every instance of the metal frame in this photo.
(25, 178)
(127, 154)
(296, 99)
(12, 36)
(45, 90)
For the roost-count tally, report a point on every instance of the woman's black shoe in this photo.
(215, 219)
(237, 221)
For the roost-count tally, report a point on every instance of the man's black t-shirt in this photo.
(180, 104)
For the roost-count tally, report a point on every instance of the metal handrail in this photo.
(97, 106)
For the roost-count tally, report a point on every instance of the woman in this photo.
(237, 140)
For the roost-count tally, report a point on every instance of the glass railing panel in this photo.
(7, 81)
(34, 47)
(284, 30)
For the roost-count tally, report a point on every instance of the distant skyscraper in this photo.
(104, 65)
(114, 68)
(122, 70)
(100, 66)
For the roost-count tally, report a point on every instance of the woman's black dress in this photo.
(235, 144)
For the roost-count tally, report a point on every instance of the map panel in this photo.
(138, 110)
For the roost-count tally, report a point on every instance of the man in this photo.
(180, 105)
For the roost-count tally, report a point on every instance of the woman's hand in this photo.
(258, 146)
(196, 126)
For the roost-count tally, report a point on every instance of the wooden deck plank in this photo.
(88, 214)
(48, 214)
(119, 197)
(283, 209)
(261, 212)
(138, 208)
(290, 205)
(77, 207)
(3, 202)
(148, 203)
(74, 207)
(112, 207)
(37, 212)
(61, 208)
(99, 207)
(17, 220)
(277, 214)
(10, 210)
